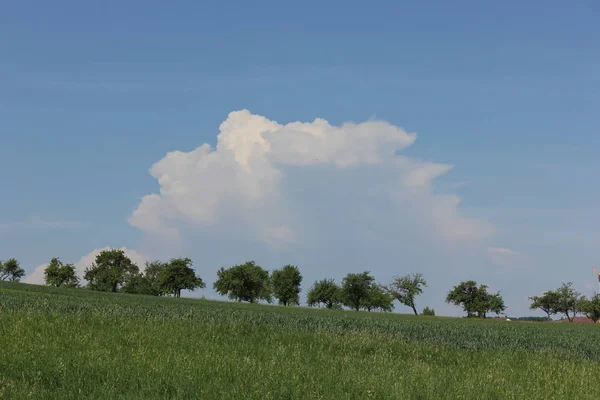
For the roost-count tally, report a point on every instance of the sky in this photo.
(457, 140)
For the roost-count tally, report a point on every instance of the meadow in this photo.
(74, 344)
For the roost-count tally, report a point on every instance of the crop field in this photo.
(74, 344)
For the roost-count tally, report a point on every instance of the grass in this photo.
(73, 344)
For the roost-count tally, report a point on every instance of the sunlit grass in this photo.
(73, 344)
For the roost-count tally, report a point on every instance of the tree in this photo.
(324, 292)
(11, 271)
(548, 302)
(59, 274)
(286, 285)
(151, 275)
(591, 307)
(406, 288)
(137, 284)
(493, 303)
(428, 311)
(178, 275)
(355, 289)
(246, 282)
(569, 301)
(476, 301)
(110, 271)
(378, 298)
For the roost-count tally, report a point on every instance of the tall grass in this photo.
(73, 344)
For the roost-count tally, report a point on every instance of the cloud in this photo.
(284, 183)
(37, 222)
(37, 275)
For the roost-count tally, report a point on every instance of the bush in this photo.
(428, 311)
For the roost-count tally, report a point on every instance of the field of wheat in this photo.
(74, 344)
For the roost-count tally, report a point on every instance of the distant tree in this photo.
(548, 302)
(59, 274)
(148, 282)
(406, 288)
(569, 301)
(11, 271)
(151, 275)
(137, 284)
(178, 275)
(494, 303)
(533, 319)
(378, 298)
(286, 285)
(246, 282)
(476, 301)
(110, 271)
(591, 307)
(324, 292)
(355, 289)
(428, 311)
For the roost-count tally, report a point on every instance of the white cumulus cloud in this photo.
(287, 181)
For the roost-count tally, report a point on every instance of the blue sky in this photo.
(92, 95)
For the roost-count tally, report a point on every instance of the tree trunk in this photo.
(414, 309)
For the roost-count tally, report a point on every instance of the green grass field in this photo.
(74, 344)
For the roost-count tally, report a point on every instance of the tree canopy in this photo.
(178, 275)
(246, 282)
(325, 292)
(59, 274)
(286, 285)
(110, 271)
(11, 271)
(406, 288)
(475, 301)
(428, 311)
(591, 307)
(355, 289)
(548, 302)
(378, 298)
(569, 301)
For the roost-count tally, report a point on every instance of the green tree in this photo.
(286, 285)
(151, 274)
(475, 301)
(569, 301)
(591, 307)
(428, 311)
(324, 292)
(493, 303)
(355, 289)
(406, 288)
(137, 284)
(178, 275)
(11, 271)
(378, 298)
(146, 283)
(59, 274)
(246, 282)
(548, 302)
(110, 271)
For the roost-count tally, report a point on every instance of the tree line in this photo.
(567, 301)
(113, 271)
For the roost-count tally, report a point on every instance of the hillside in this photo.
(73, 344)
